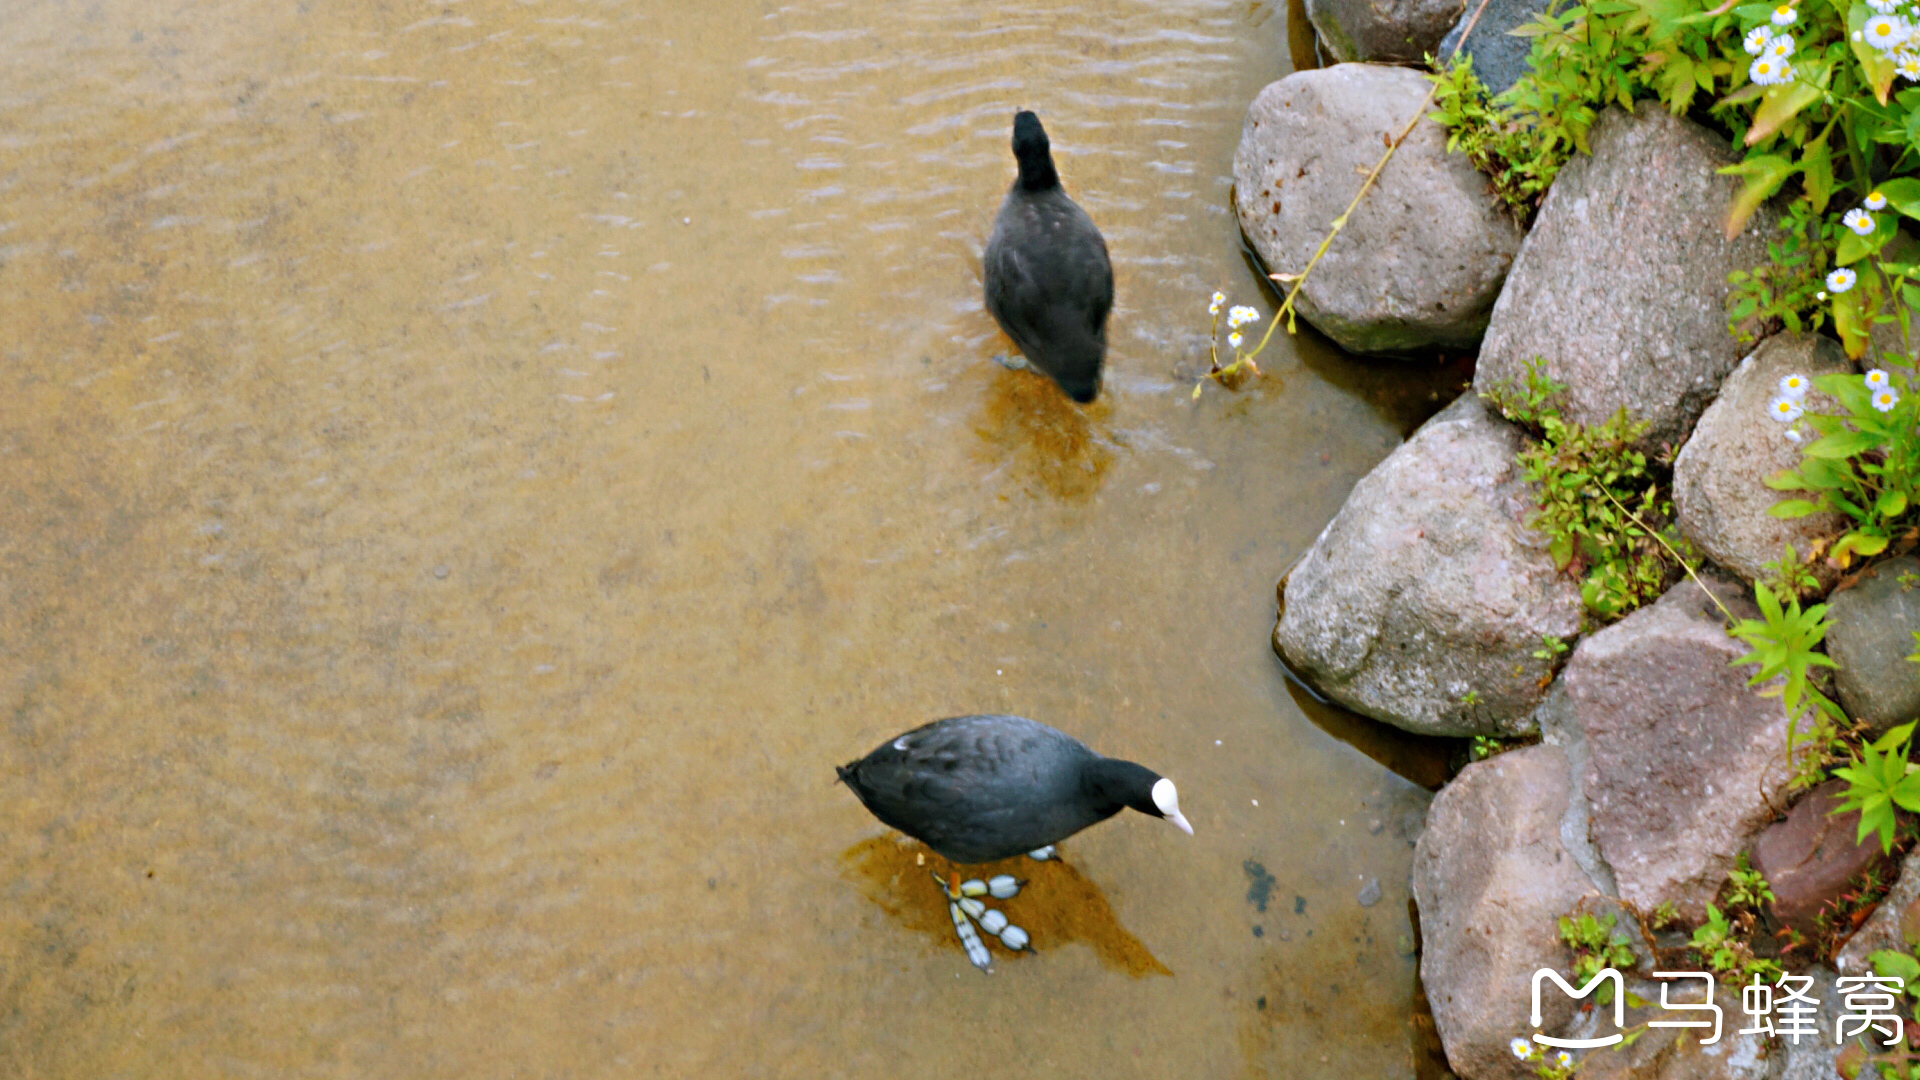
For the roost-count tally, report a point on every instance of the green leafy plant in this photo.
(1880, 780)
(1866, 463)
(1596, 946)
(1747, 887)
(1599, 501)
(1552, 648)
(1814, 92)
(1723, 947)
(1790, 575)
(1783, 641)
(1900, 1063)
(1502, 141)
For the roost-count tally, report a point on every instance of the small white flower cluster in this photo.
(1788, 406)
(1770, 50)
(1527, 1051)
(1238, 317)
(1791, 404)
(1893, 34)
(1885, 397)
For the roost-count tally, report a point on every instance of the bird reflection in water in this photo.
(1057, 905)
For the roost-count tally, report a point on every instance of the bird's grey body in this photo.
(1049, 282)
(980, 788)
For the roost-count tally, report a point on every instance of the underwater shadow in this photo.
(1045, 441)
(1058, 905)
(1426, 760)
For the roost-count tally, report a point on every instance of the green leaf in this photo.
(1762, 175)
(1854, 247)
(1862, 544)
(1844, 445)
(1874, 64)
(1848, 320)
(1793, 508)
(1903, 193)
(1891, 504)
(1897, 964)
(1782, 103)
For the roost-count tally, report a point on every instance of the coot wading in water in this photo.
(980, 788)
(1049, 283)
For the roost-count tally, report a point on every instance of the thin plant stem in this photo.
(1297, 281)
(1662, 541)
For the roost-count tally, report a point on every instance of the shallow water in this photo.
(472, 469)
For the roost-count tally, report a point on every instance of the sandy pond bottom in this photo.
(471, 470)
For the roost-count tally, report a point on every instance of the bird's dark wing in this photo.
(1025, 278)
(974, 788)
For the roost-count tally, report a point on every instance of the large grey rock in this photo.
(1621, 286)
(1499, 58)
(1421, 260)
(1492, 880)
(1382, 30)
(1719, 488)
(1684, 761)
(1423, 601)
(1872, 636)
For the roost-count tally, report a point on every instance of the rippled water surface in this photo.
(471, 469)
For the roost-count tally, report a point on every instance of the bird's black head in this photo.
(1034, 152)
(1122, 783)
(1082, 391)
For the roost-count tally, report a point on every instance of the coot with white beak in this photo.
(980, 788)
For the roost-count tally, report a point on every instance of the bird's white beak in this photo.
(1168, 801)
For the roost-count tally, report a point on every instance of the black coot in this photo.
(1049, 283)
(980, 788)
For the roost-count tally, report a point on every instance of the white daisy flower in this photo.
(1793, 434)
(1841, 280)
(1877, 379)
(1856, 219)
(1785, 409)
(1784, 15)
(1767, 71)
(1521, 1049)
(1563, 1059)
(1780, 47)
(1757, 39)
(1876, 201)
(1884, 32)
(1240, 316)
(1885, 400)
(1234, 339)
(1794, 386)
(1908, 65)
(1218, 299)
